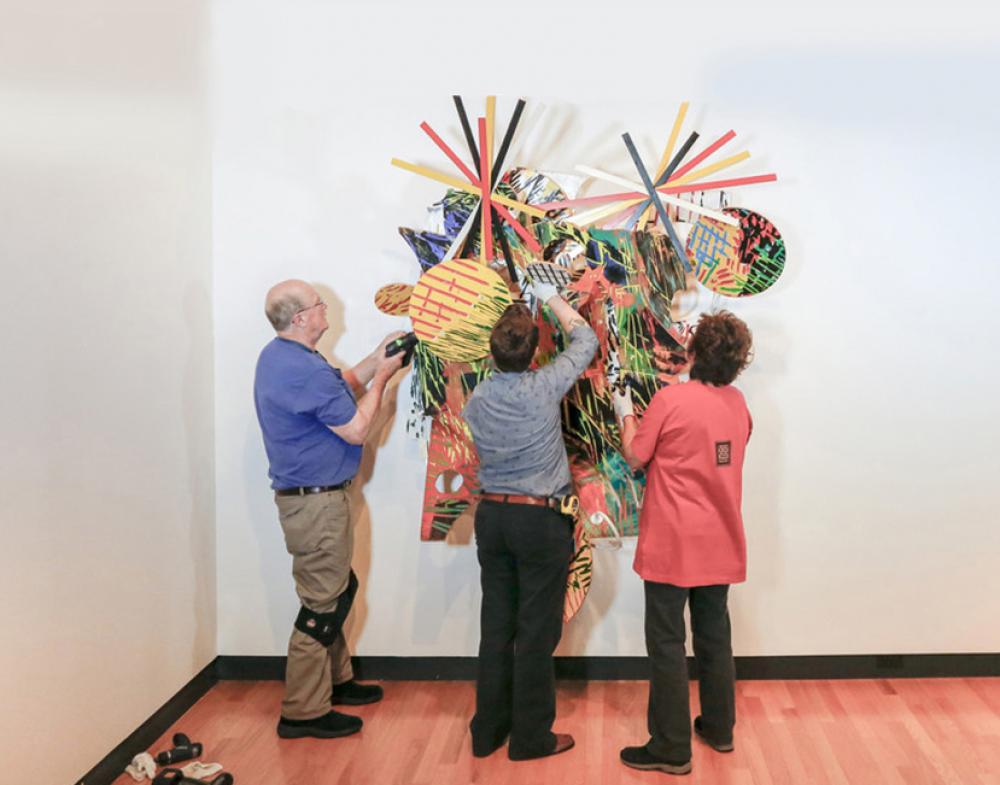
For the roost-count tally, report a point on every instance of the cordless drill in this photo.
(405, 343)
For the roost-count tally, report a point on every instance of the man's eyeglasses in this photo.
(319, 304)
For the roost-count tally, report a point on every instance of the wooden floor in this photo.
(913, 731)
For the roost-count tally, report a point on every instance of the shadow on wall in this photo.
(762, 484)
(609, 568)
(361, 512)
(275, 575)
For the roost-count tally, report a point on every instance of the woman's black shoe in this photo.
(640, 758)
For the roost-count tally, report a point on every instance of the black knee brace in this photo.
(325, 627)
(176, 777)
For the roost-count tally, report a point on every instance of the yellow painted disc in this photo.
(394, 299)
(454, 306)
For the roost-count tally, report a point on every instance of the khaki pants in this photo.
(318, 535)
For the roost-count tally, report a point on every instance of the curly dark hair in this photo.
(514, 339)
(722, 346)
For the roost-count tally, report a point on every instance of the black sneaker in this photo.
(351, 693)
(329, 726)
(640, 758)
(718, 746)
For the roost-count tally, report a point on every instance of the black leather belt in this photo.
(306, 490)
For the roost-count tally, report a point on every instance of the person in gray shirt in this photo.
(523, 541)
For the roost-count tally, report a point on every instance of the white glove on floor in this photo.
(198, 770)
(142, 767)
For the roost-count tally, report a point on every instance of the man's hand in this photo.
(387, 366)
(362, 373)
(622, 401)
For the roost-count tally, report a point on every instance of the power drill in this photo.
(184, 749)
(405, 343)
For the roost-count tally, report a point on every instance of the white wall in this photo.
(871, 495)
(106, 472)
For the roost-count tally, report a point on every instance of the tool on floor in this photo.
(176, 777)
(183, 749)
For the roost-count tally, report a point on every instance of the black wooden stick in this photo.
(467, 129)
(497, 167)
(651, 190)
(507, 137)
(674, 163)
(501, 236)
(475, 229)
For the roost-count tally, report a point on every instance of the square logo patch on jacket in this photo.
(723, 453)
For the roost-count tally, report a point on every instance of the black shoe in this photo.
(352, 693)
(563, 742)
(640, 758)
(329, 726)
(718, 746)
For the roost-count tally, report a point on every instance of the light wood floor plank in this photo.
(863, 732)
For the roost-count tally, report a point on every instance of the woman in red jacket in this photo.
(691, 544)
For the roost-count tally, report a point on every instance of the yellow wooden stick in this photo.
(485, 230)
(665, 158)
(674, 133)
(697, 174)
(524, 208)
(461, 185)
(491, 111)
(447, 179)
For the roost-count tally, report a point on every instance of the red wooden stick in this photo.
(450, 153)
(702, 155)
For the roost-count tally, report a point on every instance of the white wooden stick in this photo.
(665, 198)
(602, 211)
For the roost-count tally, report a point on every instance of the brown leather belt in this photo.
(513, 498)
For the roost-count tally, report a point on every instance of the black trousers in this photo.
(669, 716)
(524, 554)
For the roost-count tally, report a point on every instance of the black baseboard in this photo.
(846, 666)
(143, 737)
(238, 668)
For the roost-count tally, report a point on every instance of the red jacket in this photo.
(693, 437)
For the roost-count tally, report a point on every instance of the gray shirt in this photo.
(516, 426)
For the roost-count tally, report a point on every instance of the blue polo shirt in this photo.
(298, 394)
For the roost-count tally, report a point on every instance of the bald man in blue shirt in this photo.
(314, 420)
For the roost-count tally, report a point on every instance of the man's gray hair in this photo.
(281, 309)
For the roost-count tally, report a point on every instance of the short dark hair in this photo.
(722, 344)
(514, 339)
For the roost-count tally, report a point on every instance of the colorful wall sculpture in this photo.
(618, 259)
